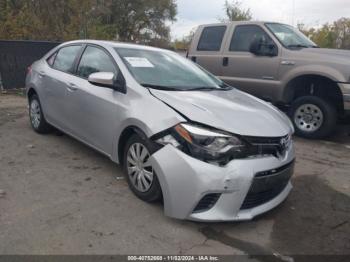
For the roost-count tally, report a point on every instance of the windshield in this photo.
(167, 70)
(289, 36)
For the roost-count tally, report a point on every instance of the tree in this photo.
(141, 21)
(137, 21)
(184, 42)
(330, 35)
(235, 12)
(341, 29)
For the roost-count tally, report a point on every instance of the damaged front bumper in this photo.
(241, 190)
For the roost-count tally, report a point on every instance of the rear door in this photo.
(56, 81)
(254, 74)
(206, 49)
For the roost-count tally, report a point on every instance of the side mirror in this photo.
(255, 46)
(260, 47)
(108, 80)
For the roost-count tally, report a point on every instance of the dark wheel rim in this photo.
(35, 114)
(139, 169)
(308, 118)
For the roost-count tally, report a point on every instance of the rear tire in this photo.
(36, 116)
(313, 117)
(140, 174)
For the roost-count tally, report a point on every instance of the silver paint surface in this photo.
(98, 116)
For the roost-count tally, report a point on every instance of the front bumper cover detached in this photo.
(241, 190)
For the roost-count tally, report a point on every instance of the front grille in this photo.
(263, 140)
(276, 146)
(267, 185)
(207, 202)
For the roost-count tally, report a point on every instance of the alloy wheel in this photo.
(35, 114)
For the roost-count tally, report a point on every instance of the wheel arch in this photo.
(123, 138)
(31, 91)
(316, 85)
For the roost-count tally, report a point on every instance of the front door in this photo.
(255, 74)
(94, 109)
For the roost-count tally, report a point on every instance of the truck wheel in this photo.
(313, 117)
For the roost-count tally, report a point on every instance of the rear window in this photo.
(211, 38)
(65, 58)
(51, 59)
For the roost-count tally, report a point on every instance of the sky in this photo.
(192, 13)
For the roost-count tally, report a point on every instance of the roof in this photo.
(115, 44)
(240, 23)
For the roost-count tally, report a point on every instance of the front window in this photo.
(289, 36)
(244, 36)
(95, 60)
(167, 70)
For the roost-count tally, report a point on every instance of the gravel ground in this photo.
(57, 196)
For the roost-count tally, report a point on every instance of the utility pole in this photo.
(293, 13)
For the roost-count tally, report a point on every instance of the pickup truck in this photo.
(277, 63)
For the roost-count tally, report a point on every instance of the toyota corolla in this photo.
(208, 150)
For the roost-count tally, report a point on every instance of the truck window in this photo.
(211, 38)
(244, 35)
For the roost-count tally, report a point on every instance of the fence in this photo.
(16, 56)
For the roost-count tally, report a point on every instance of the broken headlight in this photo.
(203, 143)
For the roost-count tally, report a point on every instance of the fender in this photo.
(145, 132)
(314, 70)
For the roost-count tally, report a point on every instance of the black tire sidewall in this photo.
(329, 116)
(154, 193)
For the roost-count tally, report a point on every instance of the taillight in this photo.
(29, 69)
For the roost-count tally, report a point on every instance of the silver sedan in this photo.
(209, 151)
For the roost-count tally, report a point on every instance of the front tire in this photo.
(141, 176)
(36, 116)
(313, 117)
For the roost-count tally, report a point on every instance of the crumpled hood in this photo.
(233, 111)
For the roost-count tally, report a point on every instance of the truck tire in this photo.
(313, 117)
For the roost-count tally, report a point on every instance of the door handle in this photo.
(72, 87)
(225, 61)
(42, 74)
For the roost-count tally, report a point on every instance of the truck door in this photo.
(206, 49)
(255, 74)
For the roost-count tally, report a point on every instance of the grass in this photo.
(14, 91)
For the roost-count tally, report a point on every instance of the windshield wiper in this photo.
(209, 88)
(200, 88)
(225, 86)
(298, 46)
(159, 87)
(203, 88)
